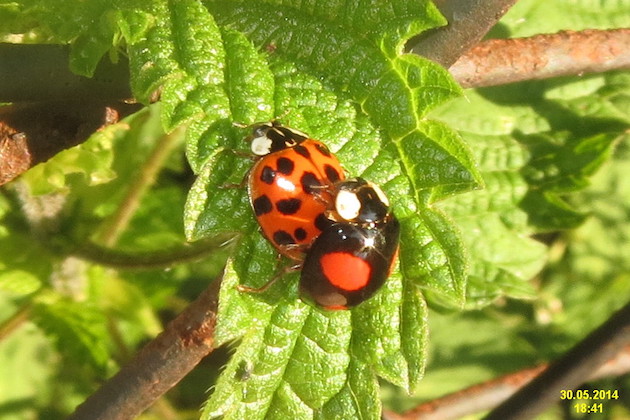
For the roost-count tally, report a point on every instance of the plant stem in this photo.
(468, 23)
(119, 221)
(17, 319)
(148, 261)
(487, 395)
(566, 53)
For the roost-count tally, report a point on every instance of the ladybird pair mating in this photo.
(340, 230)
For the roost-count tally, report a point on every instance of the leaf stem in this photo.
(147, 261)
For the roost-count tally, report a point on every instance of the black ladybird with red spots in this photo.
(352, 258)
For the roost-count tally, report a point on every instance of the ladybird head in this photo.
(360, 201)
(269, 137)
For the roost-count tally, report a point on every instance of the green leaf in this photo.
(24, 263)
(530, 17)
(214, 196)
(600, 246)
(394, 91)
(184, 60)
(78, 330)
(19, 282)
(417, 161)
(529, 173)
(248, 84)
(494, 229)
(292, 359)
(91, 159)
(26, 357)
(390, 333)
(560, 164)
(308, 371)
(359, 398)
(432, 255)
(92, 28)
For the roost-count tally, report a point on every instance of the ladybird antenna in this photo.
(281, 116)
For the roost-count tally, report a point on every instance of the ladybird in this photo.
(351, 259)
(290, 186)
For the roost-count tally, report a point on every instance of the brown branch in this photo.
(570, 370)
(468, 22)
(488, 395)
(159, 366)
(31, 133)
(40, 73)
(45, 128)
(501, 61)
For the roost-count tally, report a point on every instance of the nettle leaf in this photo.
(183, 56)
(298, 361)
(79, 330)
(394, 91)
(494, 229)
(91, 159)
(326, 360)
(292, 358)
(91, 27)
(561, 163)
(529, 173)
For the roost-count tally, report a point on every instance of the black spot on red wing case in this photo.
(332, 173)
(300, 234)
(285, 166)
(303, 151)
(262, 205)
(289, 206)
(282, 237)
(267, 175)
(308, 181)
(350, 238)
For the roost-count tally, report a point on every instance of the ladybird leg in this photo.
(322, 193)
(294, 247)
(243, 154)
(239, 185)
(285, 270)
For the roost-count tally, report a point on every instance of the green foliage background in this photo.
(512, 200)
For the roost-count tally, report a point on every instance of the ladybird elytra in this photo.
(290, 186)
(374, 244)
(345, 270)
(352, 258)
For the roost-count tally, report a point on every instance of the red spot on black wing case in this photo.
(375, 248)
